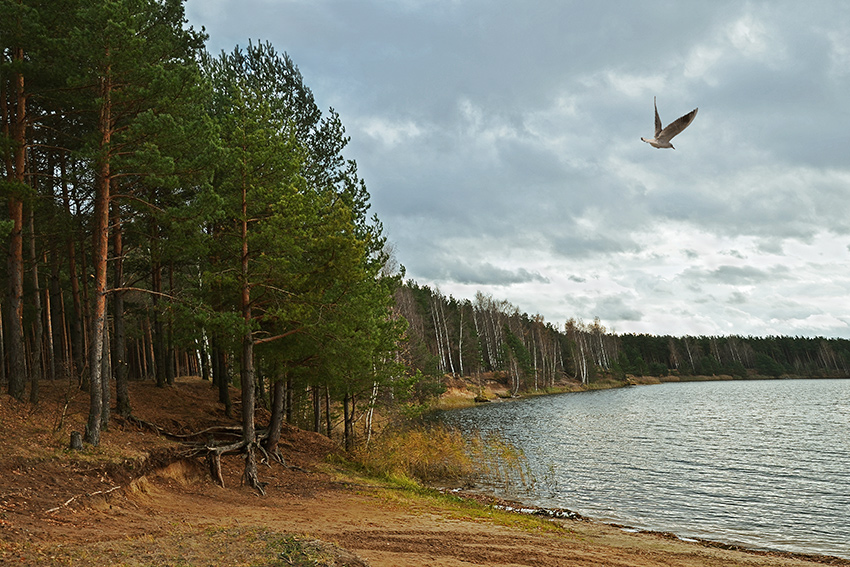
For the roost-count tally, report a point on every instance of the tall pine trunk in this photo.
(38, 331)
(100, 246)
(328, 423)
(62, 360)
(120, 368)
(15, 120)
(276, 421)
(159, 348)
(15, 304)
(49, 333)
(348, 421)
(77, 338)
(317, 407)
(251, 476)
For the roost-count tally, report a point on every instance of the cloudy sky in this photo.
(500, 141)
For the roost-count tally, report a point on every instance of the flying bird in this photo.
(664, 135)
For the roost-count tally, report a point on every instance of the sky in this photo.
(500, 143)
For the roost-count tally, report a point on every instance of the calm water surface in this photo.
(765, 464)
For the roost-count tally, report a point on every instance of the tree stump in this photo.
(76, 441)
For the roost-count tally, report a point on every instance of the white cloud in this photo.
(744, 39)
(388, 132)
(748, 36)
(634, 86)
(839, 43)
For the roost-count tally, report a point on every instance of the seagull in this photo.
(663, 136)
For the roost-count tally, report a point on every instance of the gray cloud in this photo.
(616, 308)
(737, 275)
(485, 274)
(502, 153)
(738, 298)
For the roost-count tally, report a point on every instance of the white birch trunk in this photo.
(437, 334)
(460, 342)
(448, 343)
(370, 414)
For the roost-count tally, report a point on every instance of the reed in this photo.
(437, 454)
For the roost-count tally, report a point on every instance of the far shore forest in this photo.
(176, 212)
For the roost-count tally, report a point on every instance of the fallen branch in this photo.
(67, 502)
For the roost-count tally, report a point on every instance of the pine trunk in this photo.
(76, 342)
(220, 378)
(347, 418)
(100, 246)
(276, 421)
(159, 348)
(15, 173)
(120, 367)
(250, 477)
(15, 303)
(49, 333)
(317, 407)
(38, 330)
(56, 315)
(328, 423)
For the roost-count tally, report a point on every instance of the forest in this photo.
(173, 212)
(485, 335)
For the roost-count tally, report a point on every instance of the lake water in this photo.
(763, 464)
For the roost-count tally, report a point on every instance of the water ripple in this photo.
(761, 464)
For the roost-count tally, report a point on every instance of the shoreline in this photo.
(518, 507)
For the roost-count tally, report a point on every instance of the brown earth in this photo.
(134, 501)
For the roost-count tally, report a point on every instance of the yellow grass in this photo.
(436, 453)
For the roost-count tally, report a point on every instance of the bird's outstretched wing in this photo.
(675, 127)
(657, 120)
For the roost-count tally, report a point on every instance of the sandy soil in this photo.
(133, 502)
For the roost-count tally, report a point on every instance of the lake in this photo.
(763, 464)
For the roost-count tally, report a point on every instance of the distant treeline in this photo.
(483, 335)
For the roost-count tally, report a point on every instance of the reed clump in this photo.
(439, 454)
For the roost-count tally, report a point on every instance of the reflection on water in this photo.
(765, 464)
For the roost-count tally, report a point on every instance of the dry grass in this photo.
(437, 454)
(428, 454)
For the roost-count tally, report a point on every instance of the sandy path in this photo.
(387, 528)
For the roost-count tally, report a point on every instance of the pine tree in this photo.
(133, 57)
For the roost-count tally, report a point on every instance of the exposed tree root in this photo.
(251, 476)
(212, 450)
(232, 431)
